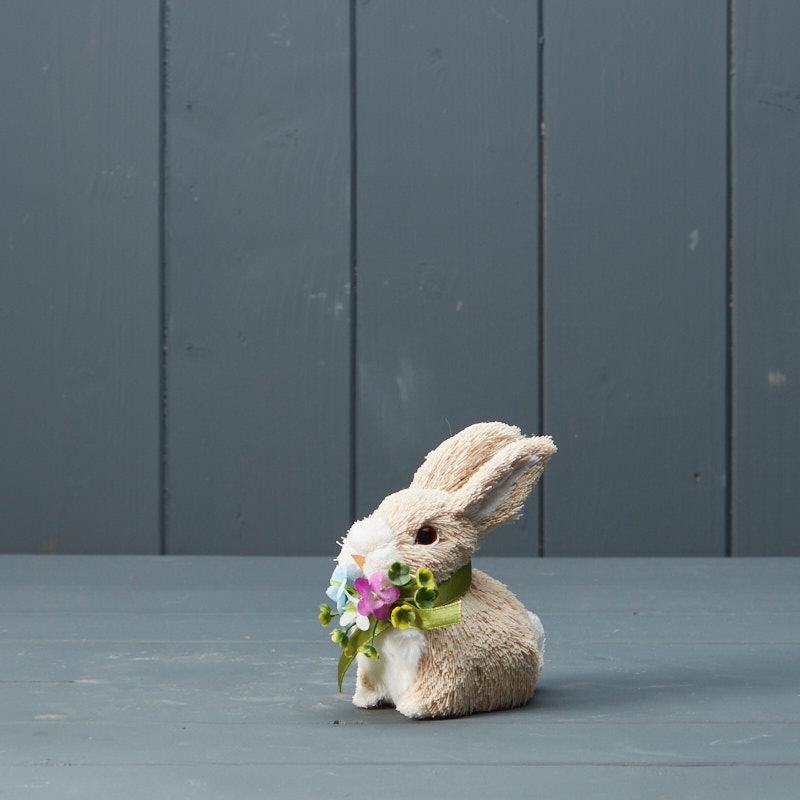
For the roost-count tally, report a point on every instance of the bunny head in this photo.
(468, 485)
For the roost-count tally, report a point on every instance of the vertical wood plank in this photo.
(79, 276)
(635, 279)
(447, 234)
(258, 276)
(766, 270)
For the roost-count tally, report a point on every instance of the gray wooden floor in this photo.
(210, 678)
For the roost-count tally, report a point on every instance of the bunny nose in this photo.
(360, 561)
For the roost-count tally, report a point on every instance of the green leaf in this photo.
(403, 616)
(358, 638)
(424, 597)
(368, 650)
(399, 574)
(425, 578)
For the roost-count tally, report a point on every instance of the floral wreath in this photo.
(398, 599)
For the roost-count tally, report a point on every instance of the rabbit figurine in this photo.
(491, 659)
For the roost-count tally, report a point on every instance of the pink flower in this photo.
(377, 595)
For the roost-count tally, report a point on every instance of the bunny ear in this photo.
(456, 459)
(497, 491)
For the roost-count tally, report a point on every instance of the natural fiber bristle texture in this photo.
(455, 460)
(468, 485)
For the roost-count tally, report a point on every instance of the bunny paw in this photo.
(409, 708)
(364, 698)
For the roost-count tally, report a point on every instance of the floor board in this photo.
(210, 677)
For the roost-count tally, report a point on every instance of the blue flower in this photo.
(339, 580)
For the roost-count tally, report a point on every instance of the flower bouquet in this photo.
(367, 607)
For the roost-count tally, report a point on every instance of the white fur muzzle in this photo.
(373, 539)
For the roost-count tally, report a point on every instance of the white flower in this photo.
(349, 617)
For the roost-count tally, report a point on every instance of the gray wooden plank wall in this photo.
(448, 305)
(258, 259)
(635, 276)
(258, 272)
(766, 263)
(79, 286)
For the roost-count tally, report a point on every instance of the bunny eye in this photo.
(426, 535)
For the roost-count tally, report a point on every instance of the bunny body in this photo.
(478, 665)
(468, 485)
